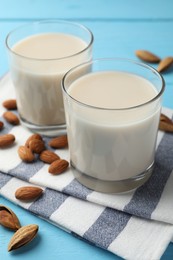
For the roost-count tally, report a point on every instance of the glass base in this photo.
(47, 130)
(112, 186)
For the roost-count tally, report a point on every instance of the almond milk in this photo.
(108, 140)
(37, 70)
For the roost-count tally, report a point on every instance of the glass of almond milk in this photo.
(112, 114)
(40, 54)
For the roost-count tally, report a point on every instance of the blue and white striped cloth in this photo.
(134, 225)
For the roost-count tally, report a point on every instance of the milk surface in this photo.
(105, 142)
(37, 72)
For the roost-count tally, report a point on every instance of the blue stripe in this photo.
(107, 227)
(76, 189)
(146, 198)
(4, 179)
(49, 202)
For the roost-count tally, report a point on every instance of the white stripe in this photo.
(9, 189)
(43, 177)
(142, 240)
(77, 215)
(164, 209)
(118, 201)
(9, 157)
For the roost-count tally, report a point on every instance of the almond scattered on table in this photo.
(11, 118)
(25, 154)
(36, 146)
(28, 193)
(10, 104)
(165, 64)
(165, 124)
(147, 56)
(23, 236)
(59, 142)
(48, 156)
(8, 218)
(6, 140)
(58, 166)
(33, 137)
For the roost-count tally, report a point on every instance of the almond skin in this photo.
(59, 142)
(36, 146)
(28, 193)
(11, 118)
(165, 124)
(147, 56)
(6, 140)
(10, 104)
(165, 64)
(58, 166)
(8, 218)
(33, 137)
(48, 156)
(25, 154)
(1, 125)
(23, 236)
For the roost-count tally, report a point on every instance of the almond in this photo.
(165, 118)
(25, 154)
(8, 218)
(6, 140)
(165, 64)
(147, 56)
(1, 125)
(59, 142)
(58, 166)
(23, 236)
(28, 193)
(165, 123)
(36, 146)
(33, 137)
(11, 118)
(48, 156)
(10, 104)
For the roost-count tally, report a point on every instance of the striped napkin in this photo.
(134, 225)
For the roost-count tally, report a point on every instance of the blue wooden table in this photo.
(119, 28)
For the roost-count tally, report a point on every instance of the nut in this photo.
(147, 56)
(10, 104)
(25, 154)
(165, 123)
(48, 156)
(8, 218)
(36, 146)
(59, 142)
(11, 118)
(165, 64)
(58, 166)
(6, 140)
(23, 236)
(33, 137)
(1, 125)
(28, 193)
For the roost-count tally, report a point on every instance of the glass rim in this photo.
(58, 21)
(146, 66)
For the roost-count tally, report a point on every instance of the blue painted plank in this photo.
(95, 9)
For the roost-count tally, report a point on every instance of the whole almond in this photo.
(28, 193)
(59, 142)
(36, 146)
(25, 154)
(23, 236)
(58, 166)
(165, 64)
(33, 137)
(165, 118)
(48, 156)
(147, 56)
(10, 104)
(11, 118)
(6, 140)
(1, 125)
(165, 124)
(8, 218)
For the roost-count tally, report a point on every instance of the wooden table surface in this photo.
(120, 27)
